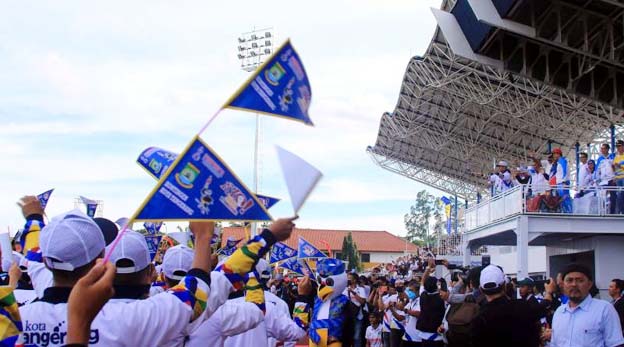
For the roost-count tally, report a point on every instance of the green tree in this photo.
(350, 253)
(417, 220)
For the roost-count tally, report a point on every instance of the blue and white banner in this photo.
(307, 250)
(279, 87)
(153, 242)
(44, 197)
(280, 251)
(200, 186)
(267, 201)
(293, 265)
(156, 161)
(152, 227)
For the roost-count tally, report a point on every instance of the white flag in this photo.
(300, 177)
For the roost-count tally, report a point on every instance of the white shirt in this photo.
(387, 314)
(284, 310)
(604, 172)
(583, 173)
(361, 293)
(276, 324)
(373, 336)
(229, 320)
(161, 320)
(594, 323)
(411, 333)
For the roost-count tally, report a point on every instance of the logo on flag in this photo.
(91, 206)
(307, 250)
(279, 87)
(44, 197)
(280, 251)
(220, 196)
(294, 265)
(153, 242)
(156, 161)
(152, 227)
(267, 201)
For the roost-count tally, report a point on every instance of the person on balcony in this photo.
(618, 164)
(560, 175)
(605, 176)
(582, 169)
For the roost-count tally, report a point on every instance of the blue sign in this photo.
(156, 161)
(307, 250)
(153, 241)
(200, 186)
(44, 197)
(279, 87)
(280, 251)
(91, 208)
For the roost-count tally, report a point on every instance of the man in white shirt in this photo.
(605, 174)
(412, 338)
(584, 321)
(583, 170)
(357, 295)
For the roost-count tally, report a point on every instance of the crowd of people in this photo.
(66, 294)
(547, 182)
(405, 305)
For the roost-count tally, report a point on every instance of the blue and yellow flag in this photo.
(447, 212)
(44, 197)
(91, 206)
(156, 161)
(280, 251)
(279, 87)
(10, 321)
(200, 186)
(307, 250)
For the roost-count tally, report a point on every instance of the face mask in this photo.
(399, 289)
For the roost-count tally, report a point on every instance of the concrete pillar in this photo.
(467, 251)
(522, 243)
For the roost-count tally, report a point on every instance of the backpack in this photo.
(459, 318)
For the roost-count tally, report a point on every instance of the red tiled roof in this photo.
(366, 241)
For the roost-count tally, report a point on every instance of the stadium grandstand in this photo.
(511, 80)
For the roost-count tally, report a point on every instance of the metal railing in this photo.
(547, 200)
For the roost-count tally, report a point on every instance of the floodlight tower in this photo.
(254, 47)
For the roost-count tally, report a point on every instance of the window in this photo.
(337, 255)
(365, 257)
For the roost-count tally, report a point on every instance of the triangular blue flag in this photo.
(44, 197)
(153, 242)
(231, 242)
(152, 227)
(91, 206)
(307, 250)
(267, 201)
(293, 265)
(156, 161)
(445, 200)
(280, 251)
(279, 87)
(200, 186)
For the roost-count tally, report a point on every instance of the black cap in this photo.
(576, 268)
(619, 142)
(109, 229)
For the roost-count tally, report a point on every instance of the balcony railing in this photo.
(547, 200)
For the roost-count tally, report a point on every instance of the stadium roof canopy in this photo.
(500, 80)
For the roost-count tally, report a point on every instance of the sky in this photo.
(86, 86)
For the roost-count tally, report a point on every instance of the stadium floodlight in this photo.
(254, 45)
(241, 39)
(240, 56)
(267, 51)
(267, 34)
(267, 42)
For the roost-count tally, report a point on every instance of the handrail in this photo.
(546, 200)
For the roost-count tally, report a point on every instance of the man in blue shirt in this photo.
(584, 321)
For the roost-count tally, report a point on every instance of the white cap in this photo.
(492, 277)
(133, 247)
(177, 258)
(71, 240)
(502, 163)
(263, 269)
